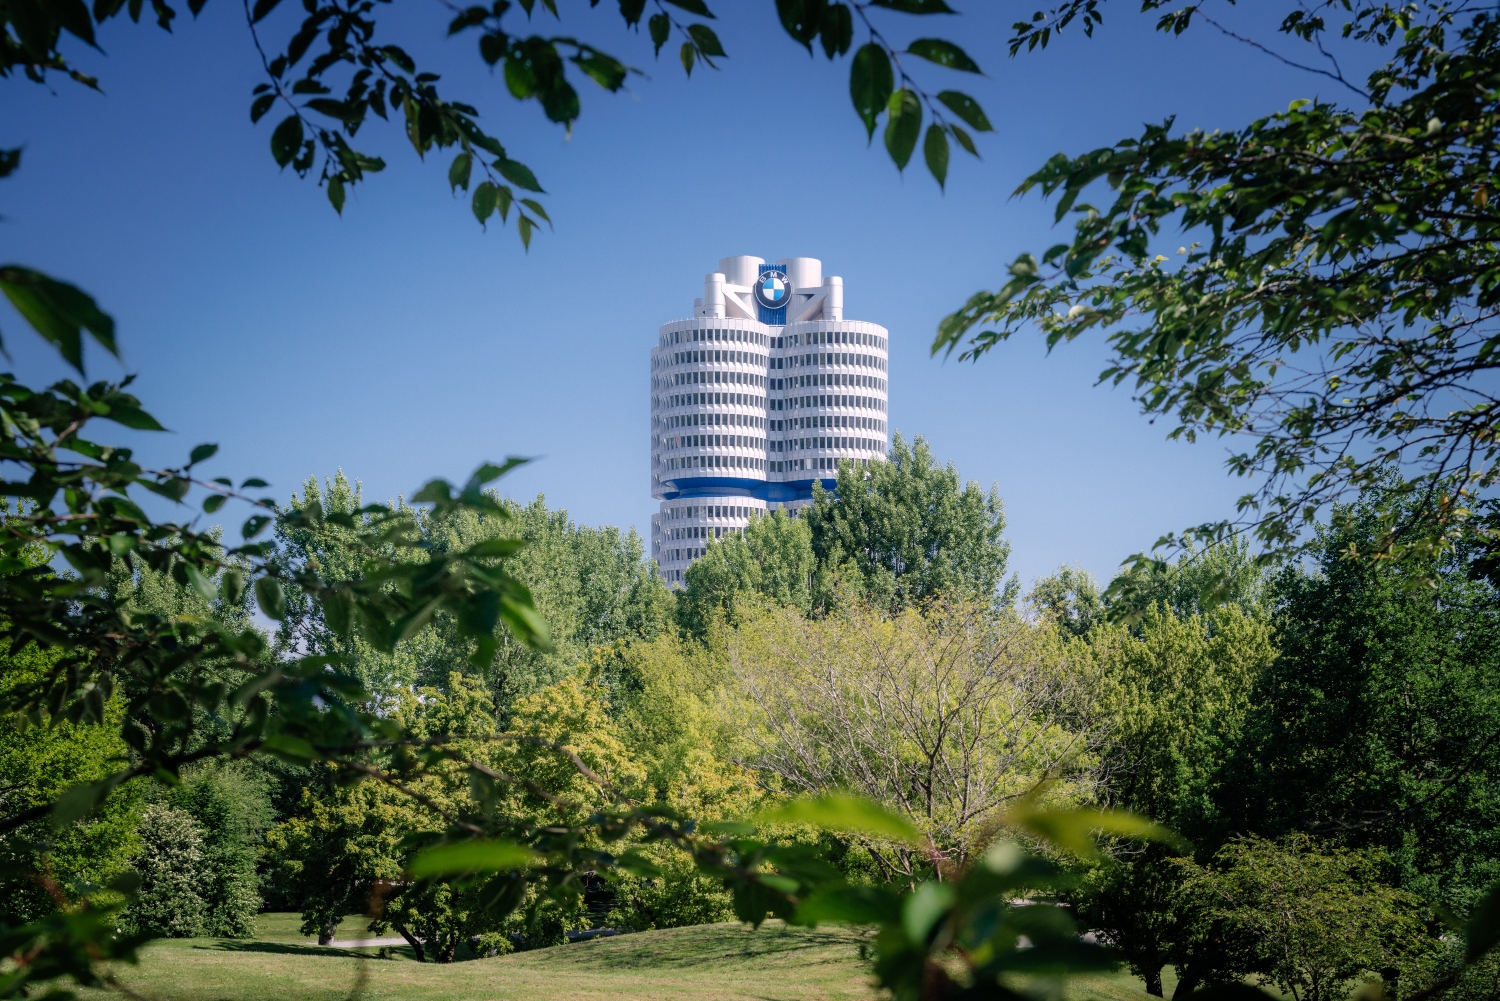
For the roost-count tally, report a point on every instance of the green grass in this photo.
(723, 962)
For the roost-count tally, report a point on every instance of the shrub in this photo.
(1311, 919)
(171, 866)
(674, 897)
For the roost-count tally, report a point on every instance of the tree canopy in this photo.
(1332, 297)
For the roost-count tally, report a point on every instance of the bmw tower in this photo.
(763, 392)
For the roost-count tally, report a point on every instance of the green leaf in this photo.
(708, 43)
(201, 453)
(461, 857)
(1074, 830)
(966, 108)
(632, 10)
(661, 30)
(944, 53)
(525, 226)
(1482, 933)
(260, 106)
(518, 174)
(124, 409)
(213, 502)
(852, 905)
(70, 15)
(58, 311)
(870, 83)
(458, 174)
(536, 207)
(78, 802)
(433, 492)
(693, 7)
(254, 481)
(687, 54)
(284, 745)
(924, 908)
(262, 8)
(606, 71)
(495, 548)
(286, 140)
(336, 193)
(483, 201)
(935, 151)
(801, 19)
(838, 30)
(200, 582)
(270, 597)
(254, 526)
(232, 588)
(903, 123)
(502, 895)
(964, 140)
(842, 812)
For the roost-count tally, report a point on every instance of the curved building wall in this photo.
(752, 402)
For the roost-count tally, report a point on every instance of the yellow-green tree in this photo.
(946, 714)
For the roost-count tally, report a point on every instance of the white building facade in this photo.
(762, 392)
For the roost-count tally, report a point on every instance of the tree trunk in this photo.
(449, 948)
(1153, 982)
(1187, 983)
(325, 933)
(416, 946)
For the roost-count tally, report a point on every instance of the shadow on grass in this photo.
(726, 943)
(298, 949)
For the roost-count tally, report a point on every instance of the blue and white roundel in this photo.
(772, 290)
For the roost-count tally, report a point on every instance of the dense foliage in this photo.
(415, 743)
(1332, 297)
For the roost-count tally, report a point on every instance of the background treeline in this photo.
(1322, 734)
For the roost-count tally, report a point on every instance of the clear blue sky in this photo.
(401, 342)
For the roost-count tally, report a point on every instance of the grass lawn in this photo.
(724, 961)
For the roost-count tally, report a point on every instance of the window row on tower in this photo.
(809, 360)
(676, 441)
(761, 403)
(725, 462)
(705, 376)
(739, 335)
(709, 511)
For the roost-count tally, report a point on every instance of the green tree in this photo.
(912, 530)
(343, 840)
(770, 562)
(231, 806)
(1378, 720)
(173, 874)
(1309, 919)
(1070, 598)
(1174, 691)
(1332, 298)
(38, 763)
(592, 586)
(948, 715)
(1199, 580)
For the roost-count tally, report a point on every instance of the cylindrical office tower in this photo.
(762, 392)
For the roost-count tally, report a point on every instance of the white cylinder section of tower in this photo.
(741, 271)
(803, 273)
(713, 295)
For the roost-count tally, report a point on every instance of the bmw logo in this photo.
(772, 290)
